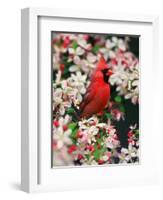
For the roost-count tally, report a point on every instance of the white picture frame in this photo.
(36, 171)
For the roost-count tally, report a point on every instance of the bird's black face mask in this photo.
(106, 73)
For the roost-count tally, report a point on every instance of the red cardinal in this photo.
(98, 92)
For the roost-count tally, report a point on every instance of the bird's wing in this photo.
(89, 95)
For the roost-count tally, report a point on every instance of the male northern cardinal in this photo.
(98, 92)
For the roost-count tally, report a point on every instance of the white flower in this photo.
(119, 75)
(61, 136)
(58, 77)
(65, 120)
(86, 65)
(127, 81)
(59, 49)
(120, 43)
(133, 127)
(69, 90)
(91, 58)
(56, 60)
(92, 126)
(59, 102)
(91, 161)
(83, 42)
(78, 81)
(109, 44)
(88, 126)
(78, 51)
(124, 158)
(61, 157)
(107, 50)
(79, 64)
(111, 47)
(105, 158)
(127, 154)
(112, 143)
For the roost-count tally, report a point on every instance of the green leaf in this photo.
(70, 111)
(73, 140)
(74, 133)
(101, 132)
(137, 134)
(87, 156)
(118, 99)
(122, 108)
(95, 49)
(74, 129)
(96, 154)
(74, 45)
(99, 140)
(72, 126)
(66, 71)
(108, 115)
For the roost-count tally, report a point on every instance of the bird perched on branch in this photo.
(98, 92)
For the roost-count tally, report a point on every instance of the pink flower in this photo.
(130, 134)
(80, 156)
(117, 114)
(66, 42)
(100, 162)
(83, 136)
(65, 127)
(108, 154)
(90, 148)
(114, 61)
(54, 145)
(72, 148)
(85, 37)
(55, 123)
(62, 66)
(131, 141)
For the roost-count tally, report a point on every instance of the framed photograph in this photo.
(87, 114)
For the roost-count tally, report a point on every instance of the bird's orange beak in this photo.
(110, 72)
